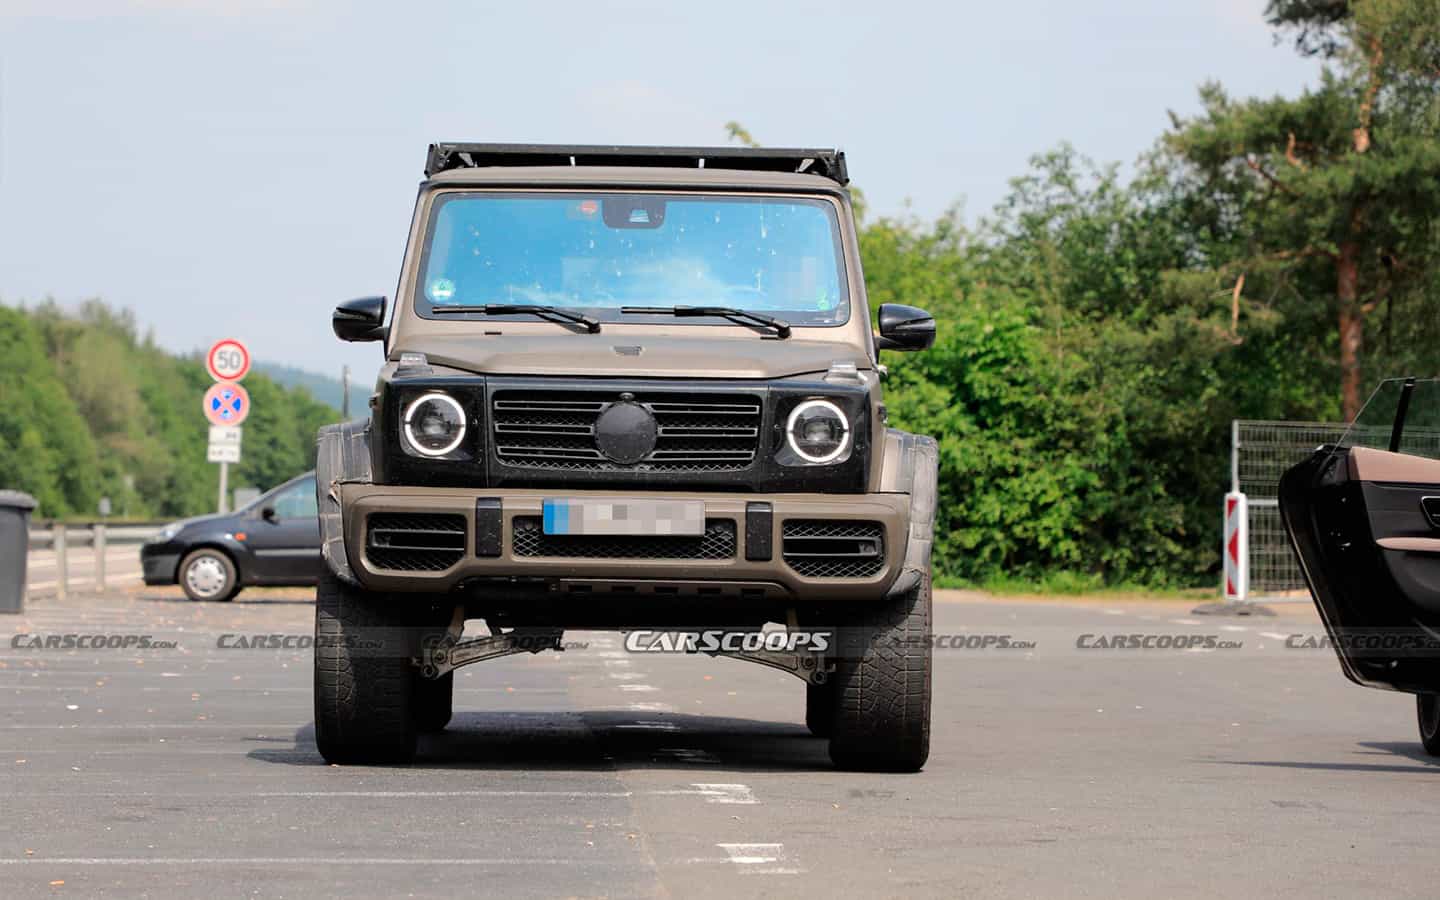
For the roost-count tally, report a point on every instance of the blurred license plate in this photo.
(624, 516)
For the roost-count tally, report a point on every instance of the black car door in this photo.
(285, 540)
(1365, 525)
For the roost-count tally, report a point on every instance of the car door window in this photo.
(297, 501)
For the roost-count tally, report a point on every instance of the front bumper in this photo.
(770, 578)
(159, 563)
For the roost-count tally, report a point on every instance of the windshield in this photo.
(598, 252)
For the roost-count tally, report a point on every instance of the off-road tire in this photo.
(434, 702)
(1427, 714)
(227, 566)
(364, 680)
(881, 699)
(819, 708)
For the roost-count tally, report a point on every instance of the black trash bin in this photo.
(15, 509)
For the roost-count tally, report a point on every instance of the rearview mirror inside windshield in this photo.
(634, 211)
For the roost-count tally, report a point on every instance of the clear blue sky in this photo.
(235, 167)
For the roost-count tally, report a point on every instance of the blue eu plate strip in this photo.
(557, 517)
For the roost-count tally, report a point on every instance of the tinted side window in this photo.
(297, 501)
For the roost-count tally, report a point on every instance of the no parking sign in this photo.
(226, 404)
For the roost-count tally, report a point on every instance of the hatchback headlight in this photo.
(166, 533)
(818, 431)
(434, 424)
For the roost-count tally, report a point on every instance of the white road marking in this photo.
(1113, 612)
(727, 793)
(1274, 635)
(713, 793)
(757, 859)
(1233, 628)
(625, 676)
(297, 861)
(651, 707)
(278, 729)
(1187, 621)
(638, 687)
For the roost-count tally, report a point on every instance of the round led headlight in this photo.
(434, 424)
(818, 431)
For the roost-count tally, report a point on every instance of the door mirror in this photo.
(268, 513)
(904, 328)
(362, 319)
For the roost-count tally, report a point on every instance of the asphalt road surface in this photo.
(1055, 770)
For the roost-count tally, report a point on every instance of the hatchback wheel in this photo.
(209, 574)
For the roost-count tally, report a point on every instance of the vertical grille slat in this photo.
(552, 429)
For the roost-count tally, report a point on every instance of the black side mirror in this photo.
(268, 514)
(904, 328)
(362, 319)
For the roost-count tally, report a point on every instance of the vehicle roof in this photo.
(633, 177)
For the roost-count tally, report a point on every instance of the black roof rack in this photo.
(827, 163)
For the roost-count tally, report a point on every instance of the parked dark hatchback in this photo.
(273, 541)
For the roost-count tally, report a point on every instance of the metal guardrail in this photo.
(43, 535)
(60, 537)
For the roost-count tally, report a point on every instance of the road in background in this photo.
(122, 569)
(598, 772)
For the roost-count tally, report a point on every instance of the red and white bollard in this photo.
(1236, 548)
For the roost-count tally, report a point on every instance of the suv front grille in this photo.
(414, 542)
(542, 429)
(819, 548)
(529, 539)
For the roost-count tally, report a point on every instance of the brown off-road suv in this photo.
(637, 389)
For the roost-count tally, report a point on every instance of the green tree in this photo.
(45, 446)
(1340, 186)
(91, 409)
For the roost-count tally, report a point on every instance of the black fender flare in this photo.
(342, 457)
(912, 466)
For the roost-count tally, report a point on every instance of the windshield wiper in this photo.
(506, 309)
(782, 328)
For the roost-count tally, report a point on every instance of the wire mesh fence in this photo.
(1260, 453)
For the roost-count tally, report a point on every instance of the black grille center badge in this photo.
(626, 431)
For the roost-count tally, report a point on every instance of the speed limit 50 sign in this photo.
(228, 360)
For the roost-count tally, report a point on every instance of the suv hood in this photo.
(639, 355)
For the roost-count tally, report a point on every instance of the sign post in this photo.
(226, 405)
